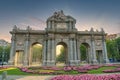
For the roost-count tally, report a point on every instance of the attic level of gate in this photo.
(61, 22)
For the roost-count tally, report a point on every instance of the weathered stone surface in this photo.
(60, 29)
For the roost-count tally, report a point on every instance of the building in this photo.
(3, 42)
(112, 36)
(60, 30)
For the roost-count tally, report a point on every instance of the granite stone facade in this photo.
(60, 30)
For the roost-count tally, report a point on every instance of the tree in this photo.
(83, 52)
(5, 52)
(61, 56)
(117, 43)
(113, 47)
(37, 53)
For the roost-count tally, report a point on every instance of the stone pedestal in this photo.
(50, 63)
(74, 62)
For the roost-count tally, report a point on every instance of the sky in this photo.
(34, 13)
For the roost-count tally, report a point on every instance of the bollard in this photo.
(4, 75)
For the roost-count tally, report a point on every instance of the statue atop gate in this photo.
(60, 29)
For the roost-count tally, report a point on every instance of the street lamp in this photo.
(3, 53)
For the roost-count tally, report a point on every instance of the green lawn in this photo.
(15, 71)
(69, 72)
(100, 70)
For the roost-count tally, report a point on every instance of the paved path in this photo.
(27, 77)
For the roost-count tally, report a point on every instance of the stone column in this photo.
(71, 52)
(105, 57)
(75, 50)
(12, 51)
(94, 60)
(49, 25)
(74, 25)
(70, 27)
(78, 51)
(53, 25)
(89, 56)
(44, 53)
(27, 48)
(53, 52)
(49, 52)
(30, 56)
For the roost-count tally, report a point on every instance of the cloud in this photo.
(6, 37)
(34, 23)
(110, 25)
(37, 23)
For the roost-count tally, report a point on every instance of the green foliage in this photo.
(100, 70)
(83, 52)
(37, 53)
(113, 48)
(15, 71)
(118, 44)
(6, 52)
(61, 56)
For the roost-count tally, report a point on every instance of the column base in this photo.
(94, 62)
(74, 62)
(25, 63)
(106, 61)
(10, 62)
(48, 63)
(44, 63)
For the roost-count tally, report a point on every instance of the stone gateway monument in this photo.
(60, 30)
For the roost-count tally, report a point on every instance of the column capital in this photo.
(103, 38)
(92, 37)
(27, 37)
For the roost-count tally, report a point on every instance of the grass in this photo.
(15, 71)
(100, 70)
(68, 72)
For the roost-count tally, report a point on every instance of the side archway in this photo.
(19, 57)
(85, 53)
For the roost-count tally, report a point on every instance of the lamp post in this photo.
(3, 53)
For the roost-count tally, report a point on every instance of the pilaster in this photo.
(53, 49)
(94, 60)
(71, 49)
(27, 50)
(75, 52)
(45, 53)
(105, 57)
(78, 51)
(12, 51)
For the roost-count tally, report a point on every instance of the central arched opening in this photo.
(36, 54)
(85, 53)
(61, 54)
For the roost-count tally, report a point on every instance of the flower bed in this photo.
(55, 70)
(4, 67)
(88, 77)
(112, 70)
(70, 69)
